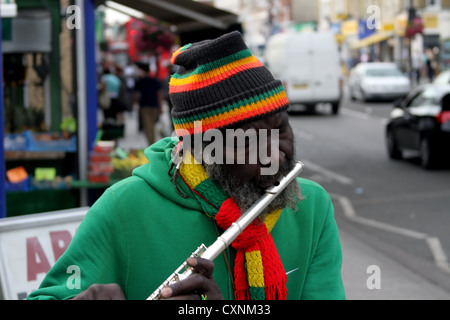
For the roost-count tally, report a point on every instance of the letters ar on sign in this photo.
(30, 245)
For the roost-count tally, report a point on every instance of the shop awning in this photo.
(185, 15)
(8, 9)
(373, 39)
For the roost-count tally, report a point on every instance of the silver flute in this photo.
(225, 240)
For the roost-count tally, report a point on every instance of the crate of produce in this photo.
(17, 180)
(22, 186)
(15, 142)
(48, 142)
(100, 162)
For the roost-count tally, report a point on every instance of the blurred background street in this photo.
(369, 86)
(387, 210)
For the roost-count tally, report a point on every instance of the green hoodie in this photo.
(141, 230)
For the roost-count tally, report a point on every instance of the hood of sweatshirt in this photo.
(158, 174)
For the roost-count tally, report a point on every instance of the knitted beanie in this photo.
(221, 84)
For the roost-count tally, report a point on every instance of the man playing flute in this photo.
(196, 185)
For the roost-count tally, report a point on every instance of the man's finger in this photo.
(191, 285)
(202, 266)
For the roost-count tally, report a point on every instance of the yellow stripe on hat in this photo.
(213, 73)
(254, 108)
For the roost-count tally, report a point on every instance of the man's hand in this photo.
(200, 285)
(101, 292)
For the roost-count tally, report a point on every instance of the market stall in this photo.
(50, 168)
(48, 106)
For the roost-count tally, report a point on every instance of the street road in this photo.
(395, 207)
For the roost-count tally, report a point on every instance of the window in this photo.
(434, 3)
(391, 72)
(428, 97)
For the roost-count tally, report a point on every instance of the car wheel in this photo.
(310, 108)
(352, 95)
(335, 107)
(426, 154)
(363, 96)
(393, 150)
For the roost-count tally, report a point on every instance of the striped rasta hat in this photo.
(221, 83)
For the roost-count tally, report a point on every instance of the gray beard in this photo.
(246, 195)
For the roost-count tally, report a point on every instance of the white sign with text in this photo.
(29, 247)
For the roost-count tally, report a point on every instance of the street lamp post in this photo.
(411, 17)
(2, 153)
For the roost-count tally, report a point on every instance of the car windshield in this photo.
(429, 97)
(383, 72)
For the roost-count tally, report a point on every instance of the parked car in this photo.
(443, 78)
(421, 123)
(378, 81)
(445, 54)
(309, 66)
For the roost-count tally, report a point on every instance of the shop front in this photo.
(49, 101)
(48, 120)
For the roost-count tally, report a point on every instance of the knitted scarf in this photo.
(258, 271)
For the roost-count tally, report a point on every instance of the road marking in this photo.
(328, 173)
(434, 244)
(350, 213)
(362, 115)
(438, 253)
(404, 197)
(355, 114)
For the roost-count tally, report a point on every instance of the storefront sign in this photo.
(365, 30)
(350, 27)
(431, 21)
(401, 25)
(388, 27)
(30, 245)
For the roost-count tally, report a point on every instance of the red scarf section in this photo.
(267, 278)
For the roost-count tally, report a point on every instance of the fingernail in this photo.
(192, 262)
(166, 292)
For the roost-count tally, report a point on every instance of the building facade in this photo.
(376, 29)
(372, 30)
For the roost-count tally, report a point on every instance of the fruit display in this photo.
(125, 162)
(40, 142)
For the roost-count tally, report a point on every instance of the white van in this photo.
(308, 64)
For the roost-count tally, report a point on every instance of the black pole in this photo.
(411, 17)
(2, 150)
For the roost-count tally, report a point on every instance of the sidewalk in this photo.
(397, 282)
(133, 138)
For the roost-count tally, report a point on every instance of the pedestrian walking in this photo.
(110, 87)
(430, 64)
(417, 63)
(148, 94)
